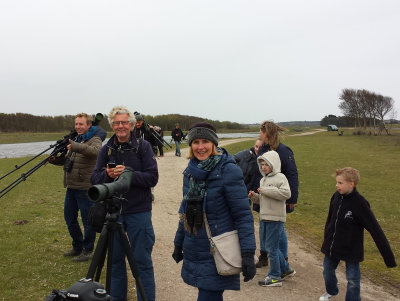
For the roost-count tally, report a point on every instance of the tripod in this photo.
(105, 243)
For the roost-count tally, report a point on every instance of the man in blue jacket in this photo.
(124, 150)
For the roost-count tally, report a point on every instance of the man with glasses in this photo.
(123, 149)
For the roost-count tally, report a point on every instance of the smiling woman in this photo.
(213, 189)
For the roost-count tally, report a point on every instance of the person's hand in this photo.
(51, 159)
(69, 145)
(259, 189)
(290, 207)
(177, 255)
(248, 266)
(251, 193)
(115, 172)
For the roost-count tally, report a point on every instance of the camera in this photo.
(194, 212)
(68, 165)
(112, 164)
(82, 290)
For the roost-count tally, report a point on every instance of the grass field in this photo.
(30, 261)
(377, 158)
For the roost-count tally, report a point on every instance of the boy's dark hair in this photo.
(350, 174)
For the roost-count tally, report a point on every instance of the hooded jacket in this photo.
(344, 229)
(247, 160)
(288, 168)
(227, 208)
(274, 189)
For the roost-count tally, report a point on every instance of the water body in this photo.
(16, 150)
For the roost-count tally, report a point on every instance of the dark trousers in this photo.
(77, 200)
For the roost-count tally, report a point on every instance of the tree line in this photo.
(361, 109)
(22, 122)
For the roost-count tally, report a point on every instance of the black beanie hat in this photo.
(202, 130)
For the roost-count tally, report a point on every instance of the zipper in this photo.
(334, 233)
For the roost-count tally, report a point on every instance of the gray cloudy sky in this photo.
(241, 61)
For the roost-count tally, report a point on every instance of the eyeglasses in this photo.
(117, 123)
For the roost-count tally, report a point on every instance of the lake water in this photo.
(17, 150)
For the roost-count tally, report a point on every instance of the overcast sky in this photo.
(240, 61)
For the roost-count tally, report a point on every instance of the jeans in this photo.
(273, 235)
(140, 232)
(283, 243)
(206, 295)
(77, 200)
(178, 150)
(353, 277)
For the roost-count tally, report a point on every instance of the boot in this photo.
(262, 260)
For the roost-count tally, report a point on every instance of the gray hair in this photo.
(120, 110)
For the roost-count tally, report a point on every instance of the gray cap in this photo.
(202, 130)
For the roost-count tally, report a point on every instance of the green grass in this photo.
(377, 158)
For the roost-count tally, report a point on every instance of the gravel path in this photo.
(307, 284)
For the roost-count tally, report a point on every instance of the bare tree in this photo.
(383, 106)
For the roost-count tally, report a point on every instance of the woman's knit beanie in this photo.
(202, 130)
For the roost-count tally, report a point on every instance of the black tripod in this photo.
(105, 243)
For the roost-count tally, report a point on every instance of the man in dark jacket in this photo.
(144, 131)
(177, 135)
(78, 164)
(123, 149)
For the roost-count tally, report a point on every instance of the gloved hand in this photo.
(177, 255)
(248, 266)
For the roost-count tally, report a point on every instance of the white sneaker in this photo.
(325, 296)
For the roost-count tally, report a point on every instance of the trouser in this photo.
(353, 276)
(140, 232)
(178, 150)
(77, 200)
(206, 295)
(273, 234)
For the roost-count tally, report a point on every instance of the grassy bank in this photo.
(377, 158)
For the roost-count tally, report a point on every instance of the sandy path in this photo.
(307, 284)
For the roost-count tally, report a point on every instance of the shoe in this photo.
(325, 296)
(270, 282)
(84, 256)
(289, 273)
(72, 252)
(262, 260)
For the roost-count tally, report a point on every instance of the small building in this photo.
(332, 127)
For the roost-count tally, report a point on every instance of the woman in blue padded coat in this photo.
(214, 183)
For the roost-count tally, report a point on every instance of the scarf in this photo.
(198, 183)
(88, 135)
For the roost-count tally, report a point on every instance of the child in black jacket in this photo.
(349, 213)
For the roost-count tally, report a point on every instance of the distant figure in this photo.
(214, 182)
(274, 190)
(79, 163)
(177, 135)
(160, 132)
(141, 131)
(349, 214)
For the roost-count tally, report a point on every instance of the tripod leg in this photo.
(99, 254)
(135, 271)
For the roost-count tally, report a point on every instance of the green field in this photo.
(377, 158)
(30, 261)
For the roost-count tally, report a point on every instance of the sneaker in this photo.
(84, 256)
(289, 273)
(270, 282)
(325, 296)
(262, 260)
(72, 252)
